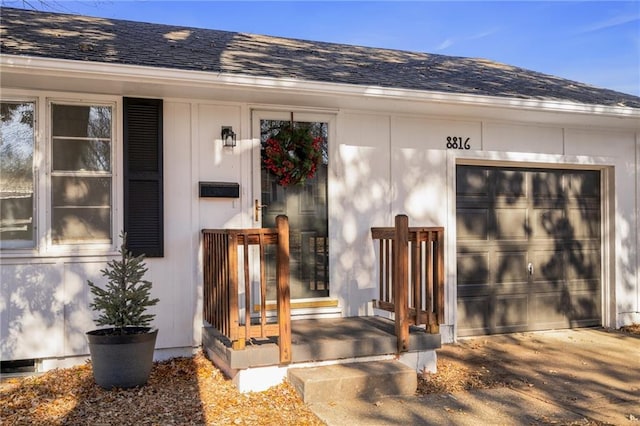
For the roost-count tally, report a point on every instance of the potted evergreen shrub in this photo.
(122, 354)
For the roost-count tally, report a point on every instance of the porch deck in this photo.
(315, 340)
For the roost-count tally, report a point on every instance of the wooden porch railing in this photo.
(411, 276)
(221, 249)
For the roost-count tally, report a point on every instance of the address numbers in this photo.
(455, 142)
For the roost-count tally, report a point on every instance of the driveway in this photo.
(583, 376)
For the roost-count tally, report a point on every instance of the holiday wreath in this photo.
(292, 155)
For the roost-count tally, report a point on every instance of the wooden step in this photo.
(364, 380)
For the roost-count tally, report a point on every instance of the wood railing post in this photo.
(401, 281)
(440, 279)
(206, 275)
(283, 292)
(234, 314)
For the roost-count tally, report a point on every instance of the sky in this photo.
(594, 42)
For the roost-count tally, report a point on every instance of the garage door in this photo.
(528, 249)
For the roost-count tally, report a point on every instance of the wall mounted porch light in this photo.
(228, 136)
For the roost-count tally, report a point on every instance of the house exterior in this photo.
(534, 178)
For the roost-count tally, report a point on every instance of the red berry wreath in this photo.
(292, 155)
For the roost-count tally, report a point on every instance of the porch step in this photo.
(367, 380)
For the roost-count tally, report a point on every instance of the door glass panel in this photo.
(294, 183)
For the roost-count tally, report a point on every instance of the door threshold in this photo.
(301, 304)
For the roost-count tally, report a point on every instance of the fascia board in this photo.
(134, 73)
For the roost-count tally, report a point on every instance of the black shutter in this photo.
(143, 201)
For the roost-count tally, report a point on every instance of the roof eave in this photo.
(157, 75)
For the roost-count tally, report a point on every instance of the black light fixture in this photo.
(228, 136)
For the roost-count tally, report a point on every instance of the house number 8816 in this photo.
(457, 143)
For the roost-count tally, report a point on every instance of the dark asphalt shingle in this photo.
(82, 38)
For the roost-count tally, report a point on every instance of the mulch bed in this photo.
(181, 391)
(455, 374)
(191, 391)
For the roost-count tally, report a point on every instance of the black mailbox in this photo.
(219, 190)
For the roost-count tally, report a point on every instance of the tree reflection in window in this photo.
(81, 138)
(16, 173)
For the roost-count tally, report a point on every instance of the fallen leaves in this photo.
(181, 391)
(455, 376)
(631, 329)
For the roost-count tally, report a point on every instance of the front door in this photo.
(293, 182)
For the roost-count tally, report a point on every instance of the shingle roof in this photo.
(82, 38)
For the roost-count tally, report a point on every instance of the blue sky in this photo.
(589, 41)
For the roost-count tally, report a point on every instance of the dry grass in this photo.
(182, 391)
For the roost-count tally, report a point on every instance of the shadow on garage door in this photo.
(528, 249)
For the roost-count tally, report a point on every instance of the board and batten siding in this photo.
(403, 163)
(359, 193)
(381, 164)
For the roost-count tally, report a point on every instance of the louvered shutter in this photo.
(143, 196)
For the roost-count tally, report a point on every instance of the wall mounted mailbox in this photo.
(219, 190)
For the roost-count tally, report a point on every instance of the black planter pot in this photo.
(122, 361)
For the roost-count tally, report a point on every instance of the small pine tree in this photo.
(125, 299)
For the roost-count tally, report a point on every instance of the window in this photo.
(16, 174)
(81, 173)
(77, 174)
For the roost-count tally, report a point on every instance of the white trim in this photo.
(120, 72)
(637, 313)
(607, 246)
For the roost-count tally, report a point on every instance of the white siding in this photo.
(172, 274)
(419, 165)
(519, 138)
(618, 149)
(218, 164)
(421, 184)
(32, 310)
(78, 318)
(359, 199)
(382, 163)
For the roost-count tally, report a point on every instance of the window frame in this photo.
(81, 247)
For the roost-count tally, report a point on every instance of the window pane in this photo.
(16, 173)
(81, 209)
(82, 121)
(71, 191)
(81, 154)
(82, 224)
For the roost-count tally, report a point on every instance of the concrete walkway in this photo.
(587, 377)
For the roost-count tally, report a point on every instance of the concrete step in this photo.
(366, 380)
